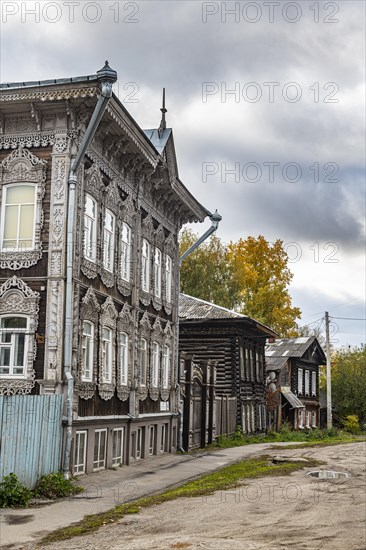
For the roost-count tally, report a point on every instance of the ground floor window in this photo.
(307, 416)
(80, 452)
(139, 443)
(100, 444)
(118, 446)
(300, 418)
(152, 440)
(313, 419)
(164, 438)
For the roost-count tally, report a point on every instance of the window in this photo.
(145, 266)
(241, 362)
(139, 443)
(155, 365)
(313, 383)
(163, 439)
(143, 361)
(108, 236)
(252, 411)
(300, 418)
(107, 354)
(13, 346)
(87, 351)
(152, 437)
(90, 228)
(126, 252)
(252, 363)
(313, 419)
(100, 443)
(166, 366)
(118, 446)
(168, 279)
(80, 452)
(18, 218)
(157, 272)
(307, 382)
(299, 381)
(123, 341)
(247, 364)
(307, 416)
(257, 372)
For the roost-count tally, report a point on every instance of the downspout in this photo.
(106, 78)
(215, 220)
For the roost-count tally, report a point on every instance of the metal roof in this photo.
(49, 82)
(275, 363)
(158, 142)
(194, 308)
(292, 399)
(289, 347)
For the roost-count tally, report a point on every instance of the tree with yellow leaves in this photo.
(250, 276)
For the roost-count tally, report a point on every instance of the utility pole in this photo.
(329, 381)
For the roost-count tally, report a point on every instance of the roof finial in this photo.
(163, 110)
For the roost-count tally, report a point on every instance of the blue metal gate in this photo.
(30, 436)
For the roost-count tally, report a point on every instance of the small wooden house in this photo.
(292, 366)
(234, 344)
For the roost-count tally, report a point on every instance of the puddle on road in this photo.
(17, 520)
(328, 474)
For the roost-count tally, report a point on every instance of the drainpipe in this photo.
(106, 78)
(215, 220)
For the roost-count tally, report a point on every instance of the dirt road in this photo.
(275, 513)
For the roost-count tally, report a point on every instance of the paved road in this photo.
(103, 490)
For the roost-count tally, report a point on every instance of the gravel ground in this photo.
(274, 513)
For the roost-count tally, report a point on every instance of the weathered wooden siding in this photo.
(30, 436)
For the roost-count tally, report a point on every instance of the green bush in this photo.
(13, 493)
(351, 424)
(55, 486)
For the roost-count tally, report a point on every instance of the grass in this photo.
(229, 476)
(308, 437)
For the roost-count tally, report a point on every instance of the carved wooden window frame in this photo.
(147, 232)
(157, 336)
(90, 339)
(158, 274)
(89, 311)
(128, 217)
(22, 167)
(111, 202)
(125, 325)
(108, 320)
(17, 299)
(93, 184)
(167, 340)
(95, 231)
(144, 333)
(171, 250)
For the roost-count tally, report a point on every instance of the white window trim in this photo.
(108, 242)
(155, 364)
(307, 419)
(117, 459)
(126, 249)
(168, 278)
(152, 440)
(300, 382)
(313, 383)
(143, 361)
(301, 418)
(90, 248)
(11, 345)
(107, 355)
(99, 460)
(124, 348)
(307, 382)
(82, 465)
(157, 272)
(313, 419)
(166, 366)
(145, 265)
(17, 248)
(89, 342)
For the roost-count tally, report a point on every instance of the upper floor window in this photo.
(123, 340)
(145, 266)
(125, 252)
(313, 383)
(107, 354)
(18, 218)
(13, 346)
(108, 237)
(307, 382)
(90, 228)
(166, 366)
(157, 272)
(87, 351)
(155, 365)
(143, 361)
(300, 381)
(168, 279)
(241, 363)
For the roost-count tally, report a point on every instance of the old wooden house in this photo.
(233, 344)
(292, 366)
(91, 207)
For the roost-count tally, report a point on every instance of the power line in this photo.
(348, 318)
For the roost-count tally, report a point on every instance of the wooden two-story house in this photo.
(292, 367)
(91, 207)
(234, 344)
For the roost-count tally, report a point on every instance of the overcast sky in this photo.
(266, 100)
